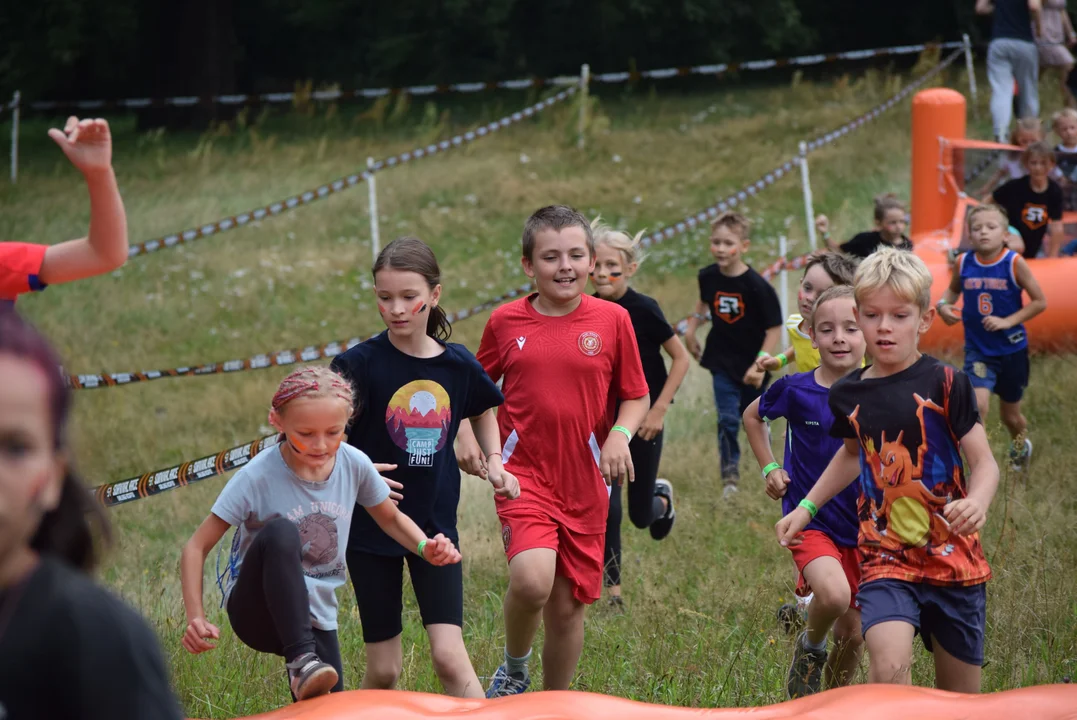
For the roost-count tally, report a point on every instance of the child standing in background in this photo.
(650, 498)
(891, 219)
(746, 321)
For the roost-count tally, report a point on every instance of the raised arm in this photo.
(88, 144)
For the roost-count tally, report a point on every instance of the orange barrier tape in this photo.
(879, 702)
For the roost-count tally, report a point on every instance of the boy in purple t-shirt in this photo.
(827, 558)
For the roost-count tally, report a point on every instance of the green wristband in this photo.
(770, 468)
(782, 359)
(809, 506)
(623, 429)
(422, 546)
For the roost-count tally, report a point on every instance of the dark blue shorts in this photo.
(1004, 375)
(953, 616)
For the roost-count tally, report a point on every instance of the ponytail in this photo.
(437, 325)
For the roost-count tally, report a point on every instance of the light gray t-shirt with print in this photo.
(266, 488)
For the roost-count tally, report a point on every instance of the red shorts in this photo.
(579, 556)
(818, 544)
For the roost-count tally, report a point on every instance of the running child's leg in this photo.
(531, 580)
(727, 401)
(451, 661)
(844, 659)
(1013, 418)
(983, 402)
(327, 648)
(952, 674)
(563, 617)
(440, 594)
(890, 652)
(378, 583)
(611, 561)
(644, 507)
(826, 578)
(269, 608)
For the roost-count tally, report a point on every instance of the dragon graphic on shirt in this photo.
(907, 494)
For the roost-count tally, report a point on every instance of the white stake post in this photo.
(783, 286)
(372, 194)
(15, 102)
(972, 74)
(809, 206)
(585, 82)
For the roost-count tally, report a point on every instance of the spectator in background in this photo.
(1012, 54)
(1054, 39)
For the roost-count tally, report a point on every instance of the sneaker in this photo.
(616, 602)
(788, 618)
(1020, 454)
(660, 528)
(729, 491)
(504, 683)
(309, 677)
(806, 670)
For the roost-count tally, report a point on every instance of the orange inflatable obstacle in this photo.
(878, 702)
(939, 204)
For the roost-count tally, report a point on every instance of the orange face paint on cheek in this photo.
(419, 307)
(382, 309)
(300, 447)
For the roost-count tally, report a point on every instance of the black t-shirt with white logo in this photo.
(408, 410)
(742, 309)
(652, 330)
(1030, 211)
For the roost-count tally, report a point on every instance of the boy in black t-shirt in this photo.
(891, 219)
(746, 321)
(905, 420)
(1034, 202)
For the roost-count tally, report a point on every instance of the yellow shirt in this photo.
(807, 357)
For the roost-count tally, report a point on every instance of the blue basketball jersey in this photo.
(991, 289)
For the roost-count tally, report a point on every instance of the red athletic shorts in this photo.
(579, 556)
(818, 544)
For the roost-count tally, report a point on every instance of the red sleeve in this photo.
(20, 266)
(629, 381)
(489, 355)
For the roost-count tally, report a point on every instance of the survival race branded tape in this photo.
(262, 361)
(289, 97)
(181, 475)
(323, 191)
(799, 61)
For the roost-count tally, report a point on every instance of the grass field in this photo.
(699, 626)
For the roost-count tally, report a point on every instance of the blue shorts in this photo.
(1004, 375)
(953, 616)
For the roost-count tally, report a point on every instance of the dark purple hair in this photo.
(66, 531)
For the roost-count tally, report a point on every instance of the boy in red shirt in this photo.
(27, 267)
(567, 359)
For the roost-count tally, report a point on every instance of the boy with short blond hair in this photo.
(905, 420)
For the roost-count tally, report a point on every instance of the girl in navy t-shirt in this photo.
(650, 498)
(414, 390)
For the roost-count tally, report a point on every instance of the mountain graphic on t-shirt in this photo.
(400, 419)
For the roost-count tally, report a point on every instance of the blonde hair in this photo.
(736, 223)
(1070, 113)
(835, 292)
(900, 270)
(1026, 124)
(629, 247)
(987, 207)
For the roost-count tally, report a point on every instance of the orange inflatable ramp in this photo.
(874, 702)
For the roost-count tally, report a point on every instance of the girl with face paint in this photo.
(650, 498)
(64, 640)
(414, 390)
(293, 506)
